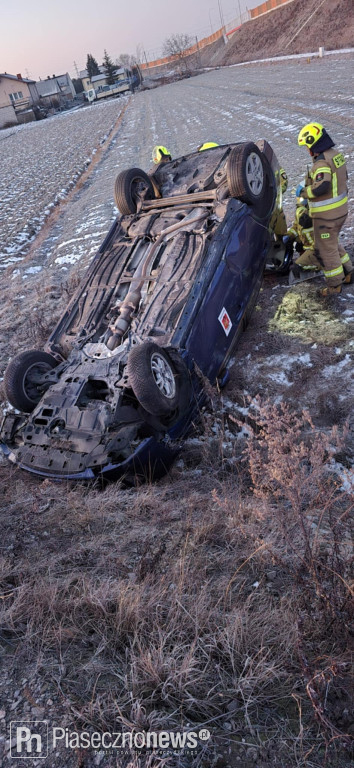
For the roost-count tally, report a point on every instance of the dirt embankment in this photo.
(331, 26)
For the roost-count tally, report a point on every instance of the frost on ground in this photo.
(193, 600)
(40, 163)
(236, 104)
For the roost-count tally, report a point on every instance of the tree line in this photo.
(92, 67)
(176, 45)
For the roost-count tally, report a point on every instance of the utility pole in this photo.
(198, 52)
(211, 26)
(221, 15)
(239, 8)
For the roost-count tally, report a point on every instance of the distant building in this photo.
(98, 82)
(55, 91)
(66, 85)
(86, 81)
(17, 95)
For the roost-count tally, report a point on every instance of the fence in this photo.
(189, 52)
(226, 32)
(269, 5)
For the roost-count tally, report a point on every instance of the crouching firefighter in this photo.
(277, 224)
(301, 234)
(327, 194)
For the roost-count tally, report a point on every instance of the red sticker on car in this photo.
(225, 320)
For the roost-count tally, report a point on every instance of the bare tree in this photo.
(177, 45)
(126, 60)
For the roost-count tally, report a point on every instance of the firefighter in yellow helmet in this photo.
(160, 154)
(327, 193)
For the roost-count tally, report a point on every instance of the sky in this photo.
(40, 38)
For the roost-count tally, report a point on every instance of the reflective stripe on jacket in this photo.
(301, 234)
(326, 188)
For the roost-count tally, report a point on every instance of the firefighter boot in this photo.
(330, 290)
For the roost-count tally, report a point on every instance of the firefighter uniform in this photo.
(302, 233)
(327, 195)
(277, 223)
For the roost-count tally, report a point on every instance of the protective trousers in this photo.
(307, 260)
(333, 258)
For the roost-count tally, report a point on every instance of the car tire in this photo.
(159, 379)
(21, 378)
(129, 186)
(249, 178)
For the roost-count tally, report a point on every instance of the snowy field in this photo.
(66, 548)
(291, 335)
(41, 162)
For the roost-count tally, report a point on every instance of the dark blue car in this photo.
(163, 303)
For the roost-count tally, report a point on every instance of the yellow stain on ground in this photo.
(303, 314)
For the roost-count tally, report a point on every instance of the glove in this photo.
(299, 189)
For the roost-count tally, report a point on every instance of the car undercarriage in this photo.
(120, 380)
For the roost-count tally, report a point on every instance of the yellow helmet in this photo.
(160, 153)
(309, 134)
(207, 145)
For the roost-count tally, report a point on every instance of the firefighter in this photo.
(327, 193)
(278, 224)
(301, 233)
(160, 154)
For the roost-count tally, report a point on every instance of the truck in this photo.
(124, 81)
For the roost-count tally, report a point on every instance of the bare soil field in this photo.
(219, 598)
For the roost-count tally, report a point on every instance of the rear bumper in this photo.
(151, 460)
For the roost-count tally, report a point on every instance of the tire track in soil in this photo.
(54, 215)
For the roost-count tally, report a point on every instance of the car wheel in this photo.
(23, 378)
(250, 178)
(160, 381)
(129, 188)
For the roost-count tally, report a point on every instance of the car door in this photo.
(219, 321)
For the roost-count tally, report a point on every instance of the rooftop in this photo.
(17, 77)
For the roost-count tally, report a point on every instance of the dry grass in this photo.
(209, 600)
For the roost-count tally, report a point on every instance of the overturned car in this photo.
(120, 380)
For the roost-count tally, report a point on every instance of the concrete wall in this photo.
(7, 115)
(26, 117)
